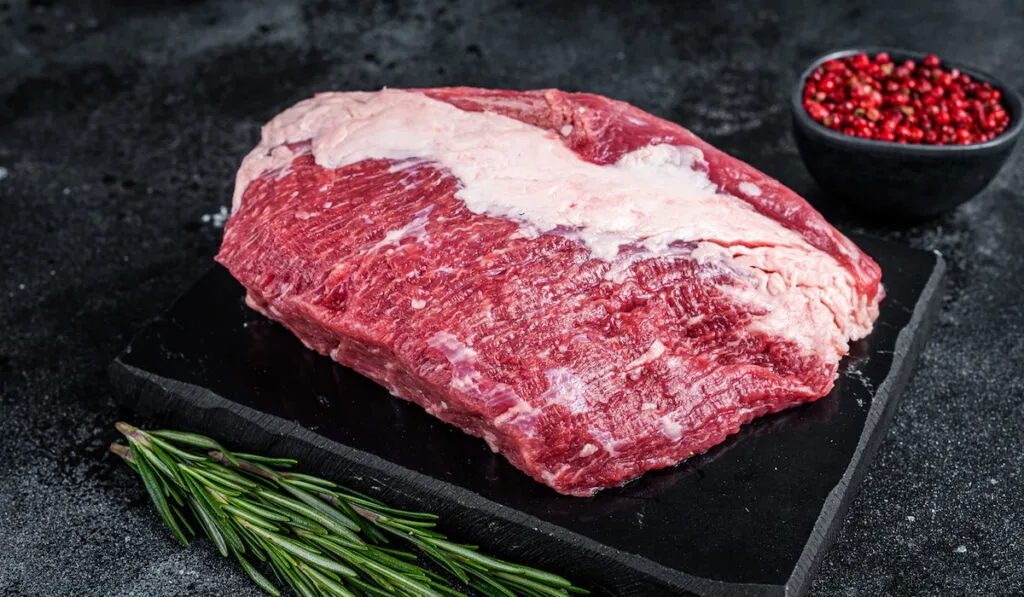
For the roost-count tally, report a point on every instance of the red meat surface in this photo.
(582, 379)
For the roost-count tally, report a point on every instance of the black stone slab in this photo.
(750, 517)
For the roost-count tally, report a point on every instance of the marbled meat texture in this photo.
(584, 372)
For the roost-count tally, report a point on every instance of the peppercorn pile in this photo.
(905, 103)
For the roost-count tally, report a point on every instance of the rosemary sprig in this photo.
(317, 537)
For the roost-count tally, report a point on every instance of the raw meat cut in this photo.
(594, 291)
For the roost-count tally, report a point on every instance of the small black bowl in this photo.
(897, 180)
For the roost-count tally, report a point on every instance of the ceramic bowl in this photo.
(897, 180)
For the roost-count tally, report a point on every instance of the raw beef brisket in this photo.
(594, 291)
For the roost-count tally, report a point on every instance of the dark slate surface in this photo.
(121, 125)
(749, 518)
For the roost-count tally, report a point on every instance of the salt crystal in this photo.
(217, 219)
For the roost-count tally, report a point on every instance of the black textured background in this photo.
(121, 125)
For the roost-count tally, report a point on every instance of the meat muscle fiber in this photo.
(593, 290)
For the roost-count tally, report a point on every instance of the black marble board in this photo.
(751, 517)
